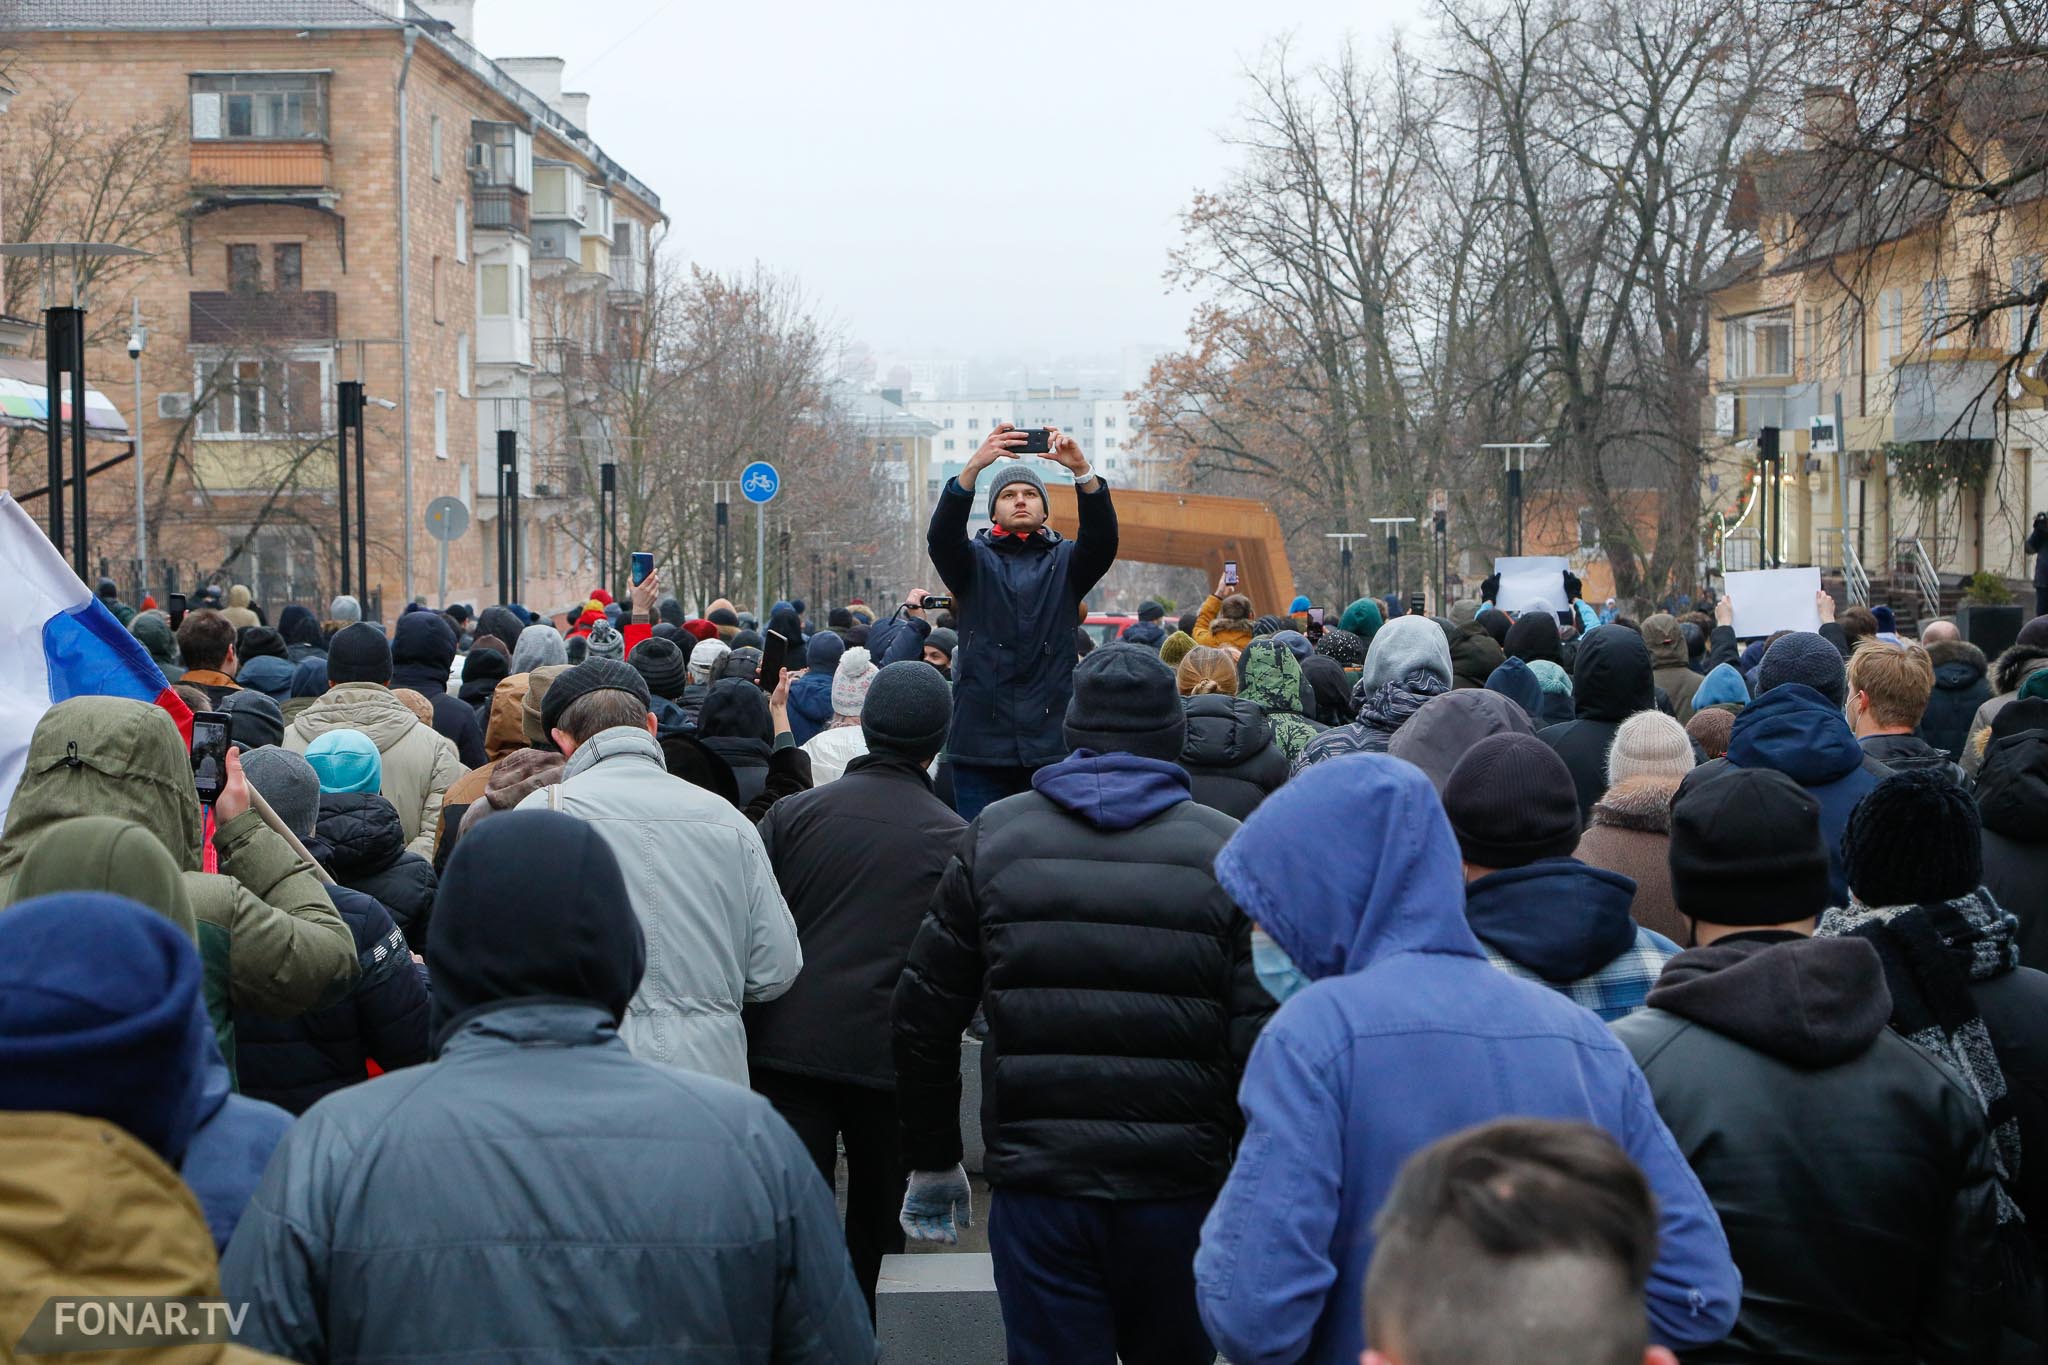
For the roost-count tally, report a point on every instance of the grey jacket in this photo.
(419, 765)
(718, 932)
(539, 1193)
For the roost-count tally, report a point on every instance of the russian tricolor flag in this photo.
(58, 641)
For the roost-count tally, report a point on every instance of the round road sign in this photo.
(447, 518)
(759, 481)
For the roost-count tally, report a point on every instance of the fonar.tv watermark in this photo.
(104, 1322)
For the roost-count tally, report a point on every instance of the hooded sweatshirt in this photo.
(1611, 681)
(2012, 799)
(1408, 662)
(1362, 618)
(301, 632)
(1347, 1080)
(266, 927)
(1534, 636)
(422, 656)
(536, 647)
(1272, 682)
(1961, 686)
(1723, 685)
(1567, 925)
(1516, 681)
(1770, 1056)
(1672, 663)
(1452, 723)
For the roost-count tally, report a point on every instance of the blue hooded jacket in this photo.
(1723, 684)
(1516, 681)
(1798, 732)
(1406, 1035)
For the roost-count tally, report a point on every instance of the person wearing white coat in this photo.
(841, 742)
(719, 934)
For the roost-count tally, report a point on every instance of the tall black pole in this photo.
(362, 510)
(1394, 563)
(1443, 561)
(508, 515)
(1514, 506)
(721, 512)
(788, 569)
(79, 549)
(348, 413)
(607, 527)
(1344, 558)
(64, 352)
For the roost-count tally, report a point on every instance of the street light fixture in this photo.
(138, 337)
(1393, 525)
(1514, 455)
(1344, 538)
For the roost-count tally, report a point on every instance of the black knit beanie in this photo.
(1511, 801)
(359, 653)
(1915, 839)
(1746, 849)
(662, 664)
(1125, 701)
(907, 710)
(592, 675)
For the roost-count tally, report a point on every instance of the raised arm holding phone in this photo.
(1018, 587)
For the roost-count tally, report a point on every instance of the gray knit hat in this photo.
(1649, 744)
(1126, 701)
(606, 642)
(1804, 657)
(944, 639)
(907, 710)
(1003, 475)
(288, 783)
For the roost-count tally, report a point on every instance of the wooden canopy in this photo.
(1197, 531)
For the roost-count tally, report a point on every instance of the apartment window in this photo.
(245, 268)
(1109, 443)
(1109, 421)
(949, 445)
(551, 190)
(1813, 351)
(2024, 329)
(276, 397)
(1589, 529)
(949, 424)
(494, 291)
(440, 313)
(272, 106)
(288, 266)
(974, 424)
(501, 154)
(1771, 346)
(461, 231)
(434, 144)
(462, 366)
(1891, 327)
(519, 294)
(1934, 317)
(440, 424)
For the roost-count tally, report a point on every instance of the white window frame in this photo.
(483, 293)
(206, 358)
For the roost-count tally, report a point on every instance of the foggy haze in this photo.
(941, 178)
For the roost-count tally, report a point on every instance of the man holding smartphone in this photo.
(1018, 588)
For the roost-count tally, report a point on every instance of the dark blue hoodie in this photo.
(1113, 791)
(1516, 681)
(1794, 730)
(1406, 1034)
(1568, 925)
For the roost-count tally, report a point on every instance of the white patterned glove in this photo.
(933, 1201)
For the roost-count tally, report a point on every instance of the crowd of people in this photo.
(1348, 983)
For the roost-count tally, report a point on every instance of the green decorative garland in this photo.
(1928, 468)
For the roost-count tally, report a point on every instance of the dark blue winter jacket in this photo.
(896, 639)
(233, 1143)
(810, 706)
(1406, 1034)
(1017, 600)
(1798, 732)
(293, 1062)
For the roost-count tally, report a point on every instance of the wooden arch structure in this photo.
(1197, 531)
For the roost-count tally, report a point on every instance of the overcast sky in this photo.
(941, 176)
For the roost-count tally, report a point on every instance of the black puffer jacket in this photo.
(1851, 1171)
(1910, 753)
(858, 860)
(2012, 799)
(1960, 687)
(1116, 976)
(1612, 679)
(366, 852)
(293, 1062)
(1229, 754)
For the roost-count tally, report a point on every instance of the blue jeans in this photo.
(977, 784)
(1092, 1281)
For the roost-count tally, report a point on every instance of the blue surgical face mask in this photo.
(1275, 970)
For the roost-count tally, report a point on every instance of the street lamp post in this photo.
(1393, 525)
(138, 337)
(1344, 539)
(1514, 456)
(608, 524)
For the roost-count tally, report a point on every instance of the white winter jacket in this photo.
(718, 932)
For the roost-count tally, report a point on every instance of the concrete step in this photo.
(939, 1310)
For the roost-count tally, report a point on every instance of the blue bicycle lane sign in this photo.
(759, 481)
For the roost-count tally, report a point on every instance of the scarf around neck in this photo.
(1932, 954)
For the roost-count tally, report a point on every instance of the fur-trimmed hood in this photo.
(1958, 652)
(1637, 803)
(2014, 665)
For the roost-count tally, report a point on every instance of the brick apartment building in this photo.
(363, 196)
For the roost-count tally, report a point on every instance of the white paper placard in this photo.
(1531, 582)
(1768, 600)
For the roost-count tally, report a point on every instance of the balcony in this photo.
(557, 479)
(261, 165)
(1946, 398)
(559, 357)
(500, 208)
(222, 318)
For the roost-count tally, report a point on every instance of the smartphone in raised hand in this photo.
(210, 754)
(1230, 572)
(643, 565)
(774, 650)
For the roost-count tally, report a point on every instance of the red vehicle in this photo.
(1106, 628)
